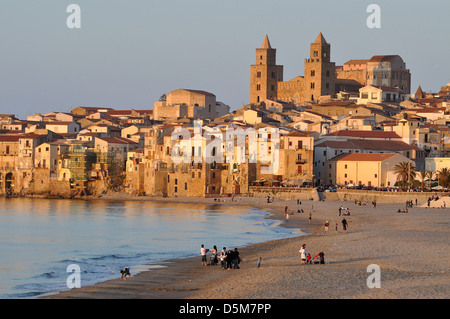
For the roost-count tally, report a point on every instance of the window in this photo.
(316, 53)
(312, 85)
(364, 95)
(327, 85)
(313, 73)
(185, 186)
(376, 175)
(328, 73)
(273, 75)
(258, 74)
(272, 87)
(345, 166)
(258, 87)
(345, 175)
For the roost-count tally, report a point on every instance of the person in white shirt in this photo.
(203, 252)
(303, 253)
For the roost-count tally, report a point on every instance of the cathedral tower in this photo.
(265, 74)
(320, 77)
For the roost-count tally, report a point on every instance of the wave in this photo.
(47, 275)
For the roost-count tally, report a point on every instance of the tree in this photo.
(443, 177)
(405, 171)
(424, 176)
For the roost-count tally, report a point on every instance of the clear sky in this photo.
(128, 53)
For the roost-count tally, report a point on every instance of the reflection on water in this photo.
(39, 238)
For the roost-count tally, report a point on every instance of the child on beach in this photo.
(326, 225)
(259, 262)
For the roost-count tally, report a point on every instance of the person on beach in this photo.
(320, 258)
(236, 259)
(126, 272)
(203, 252)
(259, 262)
(214, 256)
(229, 259)
(344, 224)
(223, 260)
(336, 225)
(326, 225)
(310, 216)
(303, 253)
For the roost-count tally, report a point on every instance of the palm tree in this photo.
(423, 177)
(430, 175)
(405, 171)
(444, 177)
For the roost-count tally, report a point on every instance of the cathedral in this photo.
(321, 76)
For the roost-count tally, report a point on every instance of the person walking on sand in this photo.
(310, 216)
(326, 225)
(303, 253)
(259, 262)
(344, 224)
(336, 225)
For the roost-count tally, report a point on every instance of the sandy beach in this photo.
(410, 249)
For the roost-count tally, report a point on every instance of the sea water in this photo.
(40, 238)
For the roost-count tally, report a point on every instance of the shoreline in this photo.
(375, 236)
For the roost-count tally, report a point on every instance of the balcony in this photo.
(300, 161)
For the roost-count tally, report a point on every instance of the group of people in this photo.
(345, 210)
(229, 259)
(307, 259)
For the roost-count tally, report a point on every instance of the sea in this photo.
(44, 242)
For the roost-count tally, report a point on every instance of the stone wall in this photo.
(285, 193)
(350, 195)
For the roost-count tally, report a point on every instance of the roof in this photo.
(383, 58)
(320, 39)
(60, 123)
(119, 112)
(266, 43)
(365, 134)
(369, 145)
(9, 138)
(90, 108)
(363, 157)
(117, 140)
(199, 92)
(357, 61)
(336, 103)
(297, 134)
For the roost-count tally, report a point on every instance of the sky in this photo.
(128, 53)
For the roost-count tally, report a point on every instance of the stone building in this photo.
(380, 70)
(192, 104)
(266, 77)
(322, 79)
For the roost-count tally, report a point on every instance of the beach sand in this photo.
(410, 249)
